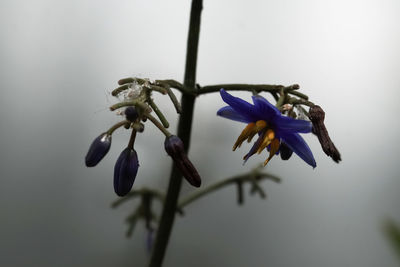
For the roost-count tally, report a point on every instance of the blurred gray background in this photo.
(61, 59)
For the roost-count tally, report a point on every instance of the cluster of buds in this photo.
(138, 106)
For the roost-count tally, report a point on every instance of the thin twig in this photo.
(296, 101)
(240, 87)
(159, 114)
(158, 125)
(116, 126)
(136, 103)
(301, 95)
(253, 176)
(171, 95)
(139, 192)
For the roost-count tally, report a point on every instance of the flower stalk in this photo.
(184, 131)
(158, 125)
(159, 114)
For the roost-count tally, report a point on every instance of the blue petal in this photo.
(296, 143)
(242, 107)
(290, 125)
(266, 110)
(229, 113)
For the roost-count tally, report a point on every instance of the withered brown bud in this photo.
(175, 148)
(317, 116)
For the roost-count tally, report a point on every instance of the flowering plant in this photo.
(277, 127)
(272, 127)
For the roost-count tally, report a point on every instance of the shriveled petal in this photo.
(296, 143)
(266, 110)
(289, 125)
(229, 113)
(242, 107)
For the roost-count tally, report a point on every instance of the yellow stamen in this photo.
(243, 136)
(274, 148)
(268, 137)
(271, 134)
(249, 131)
(260, 124)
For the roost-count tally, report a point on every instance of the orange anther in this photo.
(244, 135)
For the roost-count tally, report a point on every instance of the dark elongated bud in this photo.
(125, 171)
(131, 114)
(317, 116)
(175, 149)
(98, 149)
(285, 151)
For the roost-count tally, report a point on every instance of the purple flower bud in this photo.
(285, 151)
(131, 114)
(175, 149)
(125, 171)
(98, 149)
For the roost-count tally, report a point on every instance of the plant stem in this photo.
(253, 176)
(158, 125)
(116, 126)
(271, 88)
(158, 113)
(184, 131)
(132, 139)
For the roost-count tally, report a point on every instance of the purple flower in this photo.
(272, 127)
(125, 171)
(175, 148)
(98, 149)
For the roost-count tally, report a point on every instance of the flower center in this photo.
(249, 131)
(266, 138)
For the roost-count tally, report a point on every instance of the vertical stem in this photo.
(184, 131)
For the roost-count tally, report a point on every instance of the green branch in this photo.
(144, 210)
(253, 177)
(249, 87)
